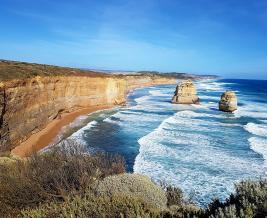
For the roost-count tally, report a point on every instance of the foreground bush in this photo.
(134, 186)
(249, 200)
(118, 205)
(178, 206)
(52, 176)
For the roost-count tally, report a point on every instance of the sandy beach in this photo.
(42, 139)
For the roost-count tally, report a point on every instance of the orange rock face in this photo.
(28, 105)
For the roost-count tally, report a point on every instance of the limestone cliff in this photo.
(228, 102)
(27, 105)
(185, 93)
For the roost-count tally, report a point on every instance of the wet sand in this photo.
(42, 139)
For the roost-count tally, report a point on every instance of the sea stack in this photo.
(228, 102)
(185, 93)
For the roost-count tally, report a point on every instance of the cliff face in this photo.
(28, 105)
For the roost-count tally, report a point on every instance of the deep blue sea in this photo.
(195, 147)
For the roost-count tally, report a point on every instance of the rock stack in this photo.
(228, 102)
(185, 93)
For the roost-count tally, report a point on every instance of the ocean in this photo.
(195, 147)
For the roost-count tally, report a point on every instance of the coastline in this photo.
(43, 138)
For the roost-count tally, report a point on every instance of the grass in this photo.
(10, 70)
(19, 70)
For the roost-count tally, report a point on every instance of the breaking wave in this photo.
(259, 145)
(256, 129)
(78, 136)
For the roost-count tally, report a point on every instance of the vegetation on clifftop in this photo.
(66, 182)
(178, 75)
(19, 70)
(10, 70)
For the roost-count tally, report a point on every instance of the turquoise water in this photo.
(197, 148)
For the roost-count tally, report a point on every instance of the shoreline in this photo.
(43, 138)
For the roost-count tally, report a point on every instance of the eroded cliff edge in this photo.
(27, 105)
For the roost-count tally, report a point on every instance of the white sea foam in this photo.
(205, 97)
(244, 112)
(158, 93)
(256, 129)
(213, 86)
(194, 121)
(78, 136)
(130, 112)
(193, 114)
(259, 145)
(129, 117)
(76, 123)
(150, 105)
(200, 106)
(134, 117)
(142, 99)
(252, 109)
(109, 120)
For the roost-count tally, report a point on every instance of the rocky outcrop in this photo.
(185, 93)
(28, 105)
(228, 102)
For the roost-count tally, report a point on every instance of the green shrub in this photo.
(135, 186)
(178, 206)
(118, 205)
(174, 195)
(53, 176)
(249, 200)
(183, 211)
(225, 212)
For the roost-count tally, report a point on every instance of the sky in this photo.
(223, 37)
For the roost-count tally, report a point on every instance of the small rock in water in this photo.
(185, 93)
(228, 102)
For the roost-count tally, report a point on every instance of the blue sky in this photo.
(224, 37)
